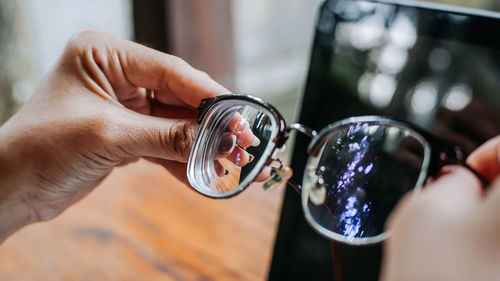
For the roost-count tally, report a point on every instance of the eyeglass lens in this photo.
(246, 134)
(360, 173)
(231, 155)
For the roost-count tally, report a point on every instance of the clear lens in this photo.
(356, 174)
(231, 147)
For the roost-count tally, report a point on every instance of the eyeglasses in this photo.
(357, 170)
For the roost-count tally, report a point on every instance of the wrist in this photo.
(15, 213)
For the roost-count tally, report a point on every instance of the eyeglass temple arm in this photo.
(308, 132)
(296, 187)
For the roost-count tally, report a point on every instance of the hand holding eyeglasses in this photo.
(357, 172)
(233, 144)
(94, 112)
(358, 168)
(106, 103)
(451, 231)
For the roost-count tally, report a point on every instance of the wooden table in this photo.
(142, 224)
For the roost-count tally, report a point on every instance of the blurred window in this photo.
(33, 35)
(258, 47)
(272, 45)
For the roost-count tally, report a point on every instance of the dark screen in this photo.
(435, 68)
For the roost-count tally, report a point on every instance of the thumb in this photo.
(165, 138)
(457, 188)
(486, 159)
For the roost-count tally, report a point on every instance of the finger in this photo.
(240, 157)
(491, 207)
(264, 174)
(240, 127)
(177, 169)
(169, 97)
(486, 159)
(455, 193)
(220, 170)
(127, 161)
(148, 68)
(116, 65)
(160, 109)
(226, 145)
(141, 135)
(456, 189)
(136, 100)
(246, 138)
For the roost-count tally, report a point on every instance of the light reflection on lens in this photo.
(231, 148)
(365, 169)
(248, 126)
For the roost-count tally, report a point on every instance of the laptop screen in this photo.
(433, 68)
(432, 65)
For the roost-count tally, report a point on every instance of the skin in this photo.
(90, 114)
(451, 231)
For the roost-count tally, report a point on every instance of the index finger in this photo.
(486, 159)
(240, 127)
(454, 193)
(456, 187)
(147, 68)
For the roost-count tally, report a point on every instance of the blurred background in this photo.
(259, 47)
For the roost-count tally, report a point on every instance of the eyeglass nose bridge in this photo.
(313, 147)
(305, 130)
(302, 129)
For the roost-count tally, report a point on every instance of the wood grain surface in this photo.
(142, 224)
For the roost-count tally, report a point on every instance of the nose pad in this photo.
(278, 175)
(317, 193)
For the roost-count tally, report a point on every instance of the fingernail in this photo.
(220, 173)
(240, 142)
(240, 158)
(227, 143)
(242, 124)
(239, 126)
(255, 141)
(250, 159)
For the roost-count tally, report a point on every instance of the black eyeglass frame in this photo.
(442, 152)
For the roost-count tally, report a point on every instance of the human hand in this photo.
(232, 152)
(451, 231)
(234, 141)
(90, 114)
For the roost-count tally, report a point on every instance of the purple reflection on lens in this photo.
(351, 218)
(368, 169)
